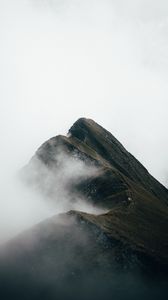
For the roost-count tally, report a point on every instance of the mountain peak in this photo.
(128, 234)
(92, 143)
(80, 128)
(88, 130)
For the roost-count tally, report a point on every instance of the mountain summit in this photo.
(129, 237)
(114, 154)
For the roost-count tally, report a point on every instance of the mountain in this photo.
(90, 142)
(120, 253)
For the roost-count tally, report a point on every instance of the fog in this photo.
(37, 192)
(61, 60)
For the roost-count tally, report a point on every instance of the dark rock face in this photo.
(107, 146)
(62, 251)
(122, 253)
(93, 144)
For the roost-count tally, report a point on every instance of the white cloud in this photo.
(85, 58)
(107, 60)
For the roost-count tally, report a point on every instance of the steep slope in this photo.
(81, 256)
(94, 145)
(122, 250)
(137, 202)
(107, 146)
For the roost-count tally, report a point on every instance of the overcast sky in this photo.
(65, 59)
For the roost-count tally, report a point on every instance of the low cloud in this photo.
(61, 60)
(49, 192)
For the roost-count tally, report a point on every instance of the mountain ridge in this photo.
(130, 236)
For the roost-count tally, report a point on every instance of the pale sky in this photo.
(65, 59)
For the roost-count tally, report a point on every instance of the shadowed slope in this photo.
(137, 202)
(111, 150)
(77, 249)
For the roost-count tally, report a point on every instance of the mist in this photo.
(37, 192)
(60, 60)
